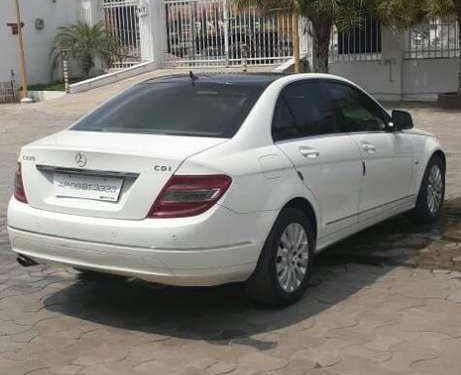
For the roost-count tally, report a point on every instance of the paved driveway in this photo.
(386, 301)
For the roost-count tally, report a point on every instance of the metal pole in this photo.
(12, 85)
(22, 60)
(296, 53)
(65, 68)
(226, 31)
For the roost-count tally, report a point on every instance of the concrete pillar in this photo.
(393, 49)
(152, 27)
(305, 39)
(90, 12)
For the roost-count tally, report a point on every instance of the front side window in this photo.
(356, 111)
(202, 109)
(302, 111)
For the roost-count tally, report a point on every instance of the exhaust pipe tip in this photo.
(26, 261)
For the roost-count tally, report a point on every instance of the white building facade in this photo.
(41, 18)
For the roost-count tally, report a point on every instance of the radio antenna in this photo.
(193, 77)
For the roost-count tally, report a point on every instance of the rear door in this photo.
(388, 156)
(306, 130)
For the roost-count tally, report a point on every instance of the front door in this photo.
(387, 156)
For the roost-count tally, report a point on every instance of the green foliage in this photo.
(269, 5)
(400, 13)
(434, 8)
(403, 13)
(84, 44)
(343, 13)
(348, 13)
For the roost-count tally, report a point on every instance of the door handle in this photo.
(309, 153)
(371, 149)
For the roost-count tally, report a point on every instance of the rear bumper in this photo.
(215, 248)
(184, 268)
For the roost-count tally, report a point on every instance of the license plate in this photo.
(87, 187)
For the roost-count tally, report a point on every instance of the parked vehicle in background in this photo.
(213, 179)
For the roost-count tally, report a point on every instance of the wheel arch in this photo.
(422, 213)
(437, 152)
(440, 154)
(307, 208)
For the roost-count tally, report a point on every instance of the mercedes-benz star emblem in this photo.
(80, 159)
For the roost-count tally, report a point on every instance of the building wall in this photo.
(377, 77)
(416, 79)
(425, 78)
(37, 43)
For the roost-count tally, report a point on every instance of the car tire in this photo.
(267, 285)
(432, 192)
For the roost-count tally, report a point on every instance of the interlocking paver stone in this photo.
(386, 301)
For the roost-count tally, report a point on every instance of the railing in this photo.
(122, 24)
(119, 65)
(362, 43)
(8, 92)
(216, 33)
(435, 39)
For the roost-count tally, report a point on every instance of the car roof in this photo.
(256, 79)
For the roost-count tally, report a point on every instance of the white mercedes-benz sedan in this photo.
(213, 179)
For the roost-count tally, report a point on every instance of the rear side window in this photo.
(176, 108)
(302, 111)
(356, 111)
(284, 124)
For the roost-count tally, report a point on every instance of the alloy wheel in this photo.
(435, 189)
(292, 257)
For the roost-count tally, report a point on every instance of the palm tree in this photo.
(85, 44)
(322, 14)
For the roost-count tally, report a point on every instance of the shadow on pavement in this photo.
(223, 314)
(400, 241)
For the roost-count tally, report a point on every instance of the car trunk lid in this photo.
(74, 172)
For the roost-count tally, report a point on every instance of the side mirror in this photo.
(402, 120)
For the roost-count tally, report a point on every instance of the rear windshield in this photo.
(175, 108)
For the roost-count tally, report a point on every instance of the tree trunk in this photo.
(321, 44)
(459, 47)
(296, 51)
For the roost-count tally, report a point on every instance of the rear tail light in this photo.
(19, 192)
(185, 196)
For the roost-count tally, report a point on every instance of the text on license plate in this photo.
(87, 187)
